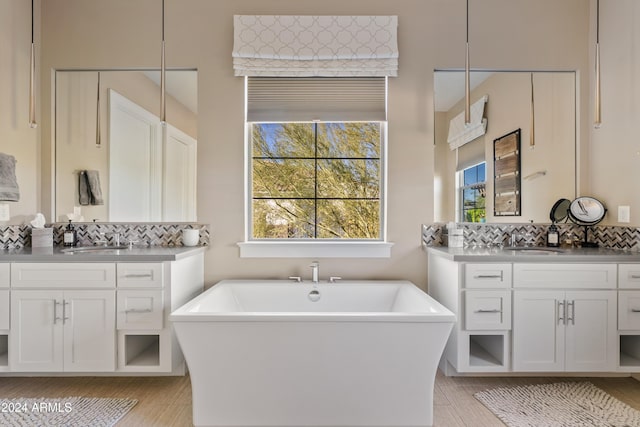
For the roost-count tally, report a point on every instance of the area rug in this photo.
(566, 404)
(65, 411)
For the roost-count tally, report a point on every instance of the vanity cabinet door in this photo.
(591, 331)
(89, 331)
(564, 331)
(538, 331)
(35, 340)
(56, 331)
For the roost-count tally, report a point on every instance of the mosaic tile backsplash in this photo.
(19, 236)
(484, 235)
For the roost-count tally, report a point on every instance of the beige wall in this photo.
(16, 138)
(199, 33)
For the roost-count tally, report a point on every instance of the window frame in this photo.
(314, 247)
(460, 188)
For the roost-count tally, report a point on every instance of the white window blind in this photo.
(298, 99)
(308, 46)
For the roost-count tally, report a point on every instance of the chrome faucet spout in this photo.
(315, 272)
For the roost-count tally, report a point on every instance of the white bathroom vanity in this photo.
(102, 312)
(524, 311)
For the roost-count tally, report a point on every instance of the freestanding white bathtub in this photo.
(270, 353)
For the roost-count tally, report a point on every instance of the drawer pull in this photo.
(138, 276)
(635, 276)
(137, 310)
(488, 276)
(635, 310)
(495, 310)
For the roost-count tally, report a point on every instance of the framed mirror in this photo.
(464, 176)
(114, 160)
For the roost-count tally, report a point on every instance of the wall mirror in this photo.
(464, 176)
(114, 160)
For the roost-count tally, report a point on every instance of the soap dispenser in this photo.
(553, 236)
(70, 237)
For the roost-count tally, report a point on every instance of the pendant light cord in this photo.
(163, 105)
(467, 74)
(32, 75)
(598, 21)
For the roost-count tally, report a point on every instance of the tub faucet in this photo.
(315, 267)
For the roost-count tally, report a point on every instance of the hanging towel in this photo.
(89, 188)
(93, 181)
(83, 189)
(9, 190)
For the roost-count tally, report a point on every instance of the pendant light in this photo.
(532, 136)
(98, 141)
(598, 113)
(467, 77)
(163, 106)
(32, 79)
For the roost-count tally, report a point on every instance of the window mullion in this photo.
(315, 182)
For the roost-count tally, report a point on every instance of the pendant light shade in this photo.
(163, 105)
(32, 79)
(467, 76)
(98, 140)
(598, 111)
(532, 136)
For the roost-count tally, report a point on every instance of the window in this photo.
(316, 180)
(315, 167)
(472, 193)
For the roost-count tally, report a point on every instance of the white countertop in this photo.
(136, 254)
(506, 254)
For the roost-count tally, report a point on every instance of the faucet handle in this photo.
(334, 279)
(102, 240)
(296, 279)
(116, 236)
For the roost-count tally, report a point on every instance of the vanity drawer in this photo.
(139, 309)
(487, 310)
(63, 275)
(628, 310)
(571, 276)
(629, 276)
(4, 309)
(140, 275)
(5, 275)
(486, 275)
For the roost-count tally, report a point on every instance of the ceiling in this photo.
(181, 85)
(448, 87)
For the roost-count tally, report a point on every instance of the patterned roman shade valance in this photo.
(315, 46)
(460, 132)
